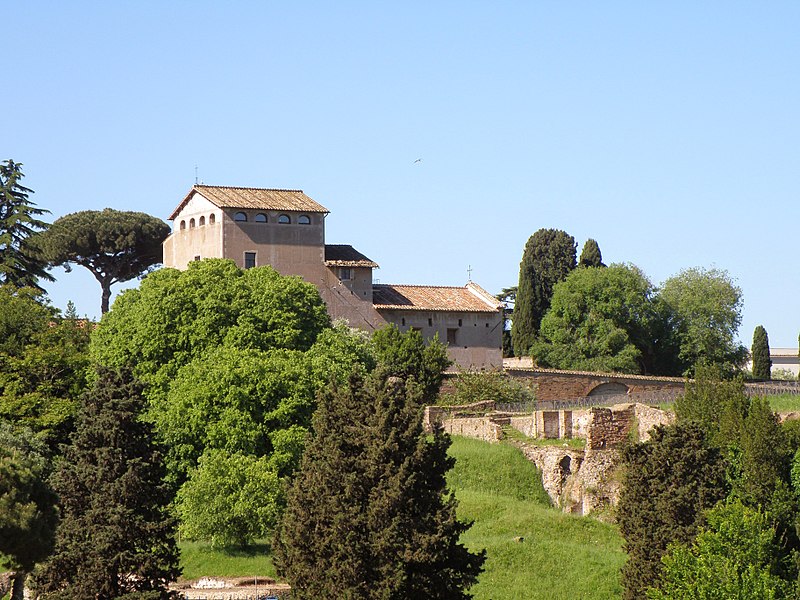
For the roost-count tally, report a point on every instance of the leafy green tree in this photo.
(175, 316)
(590, 255)
(232, 400)
(707, 312)
(369, 515)
(43, 364)
(762, 363)
(670, 481)
(113, 245)
(28, 515)
(116, 535)
(234, 360)
(230, 499)
(25, 314)
(407, 355)
(599, 320)
(736, 555)
(18, 222)
(548, 258)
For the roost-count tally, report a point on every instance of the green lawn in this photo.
(200, 560)
(785, 403)
(560, 556)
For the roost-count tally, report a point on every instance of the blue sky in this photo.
(669, 132)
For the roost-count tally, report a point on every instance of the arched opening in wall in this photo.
(566, 465)
(240, 216)
(183, 225)
(211, 219)
(191, 223)
(261, 218)
(284, 219)
(202, 221)
(304, 220)
(612, 388)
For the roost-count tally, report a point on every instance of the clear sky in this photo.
(669, 132)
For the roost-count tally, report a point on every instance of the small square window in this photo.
(197, 257)
(345, 274)
(249, 260)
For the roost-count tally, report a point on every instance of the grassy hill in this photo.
(560, 556)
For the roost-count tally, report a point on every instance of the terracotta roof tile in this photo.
(470, 298)
(343, 255)
(258, 198)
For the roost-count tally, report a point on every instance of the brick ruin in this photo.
(579, 481)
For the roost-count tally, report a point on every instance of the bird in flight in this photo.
(418, 160)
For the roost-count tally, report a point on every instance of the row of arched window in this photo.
(201, 221)
(242, 217)
(282, 219)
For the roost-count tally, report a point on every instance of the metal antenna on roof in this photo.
(195, 175)
(469, 272)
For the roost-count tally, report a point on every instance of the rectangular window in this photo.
(430, 322)
(451, 337)
(197, 257)
(345, 274)
(249, 260)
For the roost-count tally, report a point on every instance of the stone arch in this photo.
(610, 388)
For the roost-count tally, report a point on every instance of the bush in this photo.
(471, 387)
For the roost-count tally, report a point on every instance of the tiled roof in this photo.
(258, 198)
(343, 255)
(470, 298)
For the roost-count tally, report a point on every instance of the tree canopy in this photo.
(43, 364)
(233, 360)
(736, 555)
(19, 220)
(548, 258)
(599, 320)
(707, 311)
(113, 245)
(175, 316)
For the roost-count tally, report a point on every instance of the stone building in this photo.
(286, 229)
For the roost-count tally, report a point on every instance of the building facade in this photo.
(286, 230)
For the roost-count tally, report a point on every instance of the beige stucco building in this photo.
(286, 229)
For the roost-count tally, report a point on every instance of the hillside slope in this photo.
(534, 551)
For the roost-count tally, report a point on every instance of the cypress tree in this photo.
(762, 363)
(548, 258)
(116, 536)
(590, 255)
(670, 481)
(369, 515)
